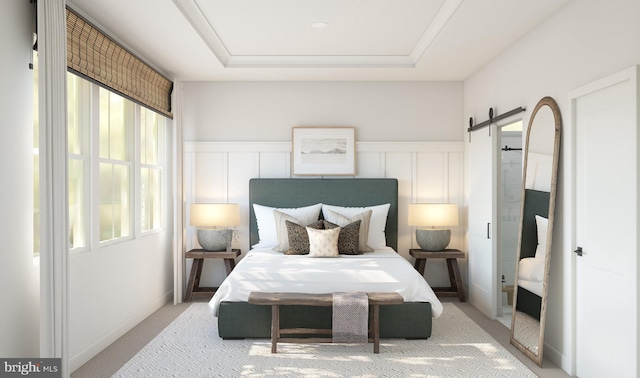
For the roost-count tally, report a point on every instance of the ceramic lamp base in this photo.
(433, 240)
(215, 240)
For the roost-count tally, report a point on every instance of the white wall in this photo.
(584, 41)
(266, 111)
(19, 277)
(115, 285)
(113, 288)
(237, 131)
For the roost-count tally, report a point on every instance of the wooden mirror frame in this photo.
(519, 343)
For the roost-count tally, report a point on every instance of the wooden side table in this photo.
(451, 255)
(509, 290)
(198, 256)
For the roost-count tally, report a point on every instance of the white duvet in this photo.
(269, 271)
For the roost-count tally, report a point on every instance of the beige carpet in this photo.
(190, 347)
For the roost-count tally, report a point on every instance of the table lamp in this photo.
(433, 215)
(212, 215)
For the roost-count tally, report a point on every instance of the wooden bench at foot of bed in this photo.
(275, 300)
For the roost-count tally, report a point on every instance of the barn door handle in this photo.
(578, 251)
(488, 230)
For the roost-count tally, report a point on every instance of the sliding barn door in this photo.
(482, 254)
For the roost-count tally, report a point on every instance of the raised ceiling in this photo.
(201, 40)
(351, 33)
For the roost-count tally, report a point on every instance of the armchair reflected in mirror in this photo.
(540, 170)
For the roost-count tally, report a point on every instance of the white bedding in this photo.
(531, 274)
(269, 271)
(533, 286)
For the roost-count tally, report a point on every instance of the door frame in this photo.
(488, 305)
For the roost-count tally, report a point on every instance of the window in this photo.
(102, 128)
(115, 166)
(151, 143)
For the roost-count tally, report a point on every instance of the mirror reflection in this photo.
(510, 197)
(540, 165)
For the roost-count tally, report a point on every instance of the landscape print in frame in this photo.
(323, 151)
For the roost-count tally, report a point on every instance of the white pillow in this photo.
(281, 230)
(342, 221)
(267, 231)
(531, 269)
(323, 243)
(377, 224)
(541, 224)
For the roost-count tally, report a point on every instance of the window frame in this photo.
(129, 162)
(85, 121)
(88, 109)
(160, 166)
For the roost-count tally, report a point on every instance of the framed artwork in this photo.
(324, 151)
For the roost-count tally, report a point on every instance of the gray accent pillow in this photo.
(267, 228)
(299, 237)
(348, 240)
(342, 221)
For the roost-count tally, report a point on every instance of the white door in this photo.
(606, 227)
(483, 277)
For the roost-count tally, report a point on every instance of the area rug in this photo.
(190, 347)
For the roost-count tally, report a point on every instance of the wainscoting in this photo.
(426, 172)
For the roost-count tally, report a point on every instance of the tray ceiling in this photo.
(350, 33)
(277, 39)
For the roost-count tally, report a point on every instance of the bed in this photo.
(383, 270)
(531, 264)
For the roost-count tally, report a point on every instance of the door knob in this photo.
(578, 251)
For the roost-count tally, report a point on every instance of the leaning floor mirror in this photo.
(540, 171)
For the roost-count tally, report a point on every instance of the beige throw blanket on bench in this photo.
(350, 318)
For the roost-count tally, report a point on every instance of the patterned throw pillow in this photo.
(323, 243)
(342, 221)
(348, 241)
(299, 238)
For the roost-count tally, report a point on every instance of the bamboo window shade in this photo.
(96, 57)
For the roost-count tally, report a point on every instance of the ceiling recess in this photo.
(353, 42)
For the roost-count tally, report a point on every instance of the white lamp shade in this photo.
(214, 214)
(433, 214)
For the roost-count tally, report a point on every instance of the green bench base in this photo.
(239, 320)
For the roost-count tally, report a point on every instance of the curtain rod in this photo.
(493, 119)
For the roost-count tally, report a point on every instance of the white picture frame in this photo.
(323, 151)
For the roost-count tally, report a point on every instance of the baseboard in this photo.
(99, 345)
(557, 357)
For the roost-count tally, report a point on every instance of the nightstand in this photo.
(451, 255)
(198, 256)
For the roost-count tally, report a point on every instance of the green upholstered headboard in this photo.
(340, 192)
(535, 203)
